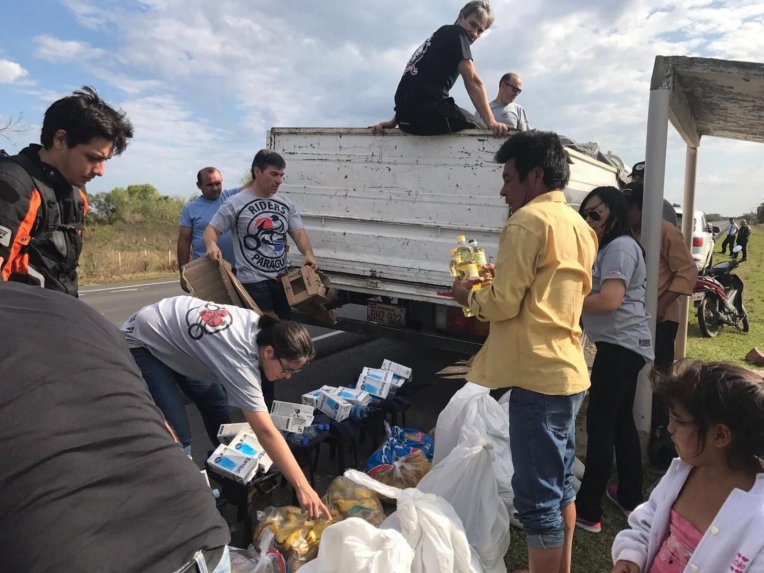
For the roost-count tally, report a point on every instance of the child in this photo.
(707, 512)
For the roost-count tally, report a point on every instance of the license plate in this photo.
(385, 313)
(698, 296)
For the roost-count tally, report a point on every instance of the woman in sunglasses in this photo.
(203, 348)
(615, 319)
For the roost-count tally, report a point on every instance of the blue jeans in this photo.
(165, 387)
(542, 435)
(269, 295)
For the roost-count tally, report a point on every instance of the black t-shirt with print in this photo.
(432, 70)
(89, 477)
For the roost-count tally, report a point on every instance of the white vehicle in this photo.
(383, 211)
(702, 238)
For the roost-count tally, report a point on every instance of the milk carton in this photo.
(227, 432)
(333, 406)
(233, 464)
(397, 369)
(353, 395)
(291, 417)
(376, 382)
(311, 398)
(246, 442)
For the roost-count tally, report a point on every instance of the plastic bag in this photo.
(403, 473)
(465, 478)
(295, 535)
(400, 442)
(355, 545)
(430, 526)
(346, 498)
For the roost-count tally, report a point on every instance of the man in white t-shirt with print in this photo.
(260, 219)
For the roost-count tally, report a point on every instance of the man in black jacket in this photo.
(42, 198)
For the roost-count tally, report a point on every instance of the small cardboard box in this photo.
(291, 417)
(234, 464)
(227, 432)
(334, 406)
(376, 382)
(214, 281)
(353, 395)
(311, 398)
(303, 285)
(247, 443)
(397, 369)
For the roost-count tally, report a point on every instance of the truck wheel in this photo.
(708, 317)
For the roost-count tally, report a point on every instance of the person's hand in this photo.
(499, 129)
(379, 129)
(488, 271)
(213, 252)
(311, 504)
(309, 260)
(625, 567)
(461, 290)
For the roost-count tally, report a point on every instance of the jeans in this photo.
(437, 118)
(542, 436)
(165, 387)
(609, 424)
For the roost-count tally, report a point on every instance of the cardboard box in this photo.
(311, 398)
(233, 464)
(376, 382)
(290, 417)
(397, 369)
(247, 443)
(353, 395)
(304, 285)
(334, 406)
(215, 281)
(227, 432)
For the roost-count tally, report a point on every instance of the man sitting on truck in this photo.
(504, 108)
(422, 103)
(543, 272)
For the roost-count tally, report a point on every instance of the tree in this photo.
(760, 213)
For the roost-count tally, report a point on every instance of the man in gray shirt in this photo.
(504, 107)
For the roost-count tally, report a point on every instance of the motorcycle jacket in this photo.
(41, 221)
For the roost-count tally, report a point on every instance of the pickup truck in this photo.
(383, 211)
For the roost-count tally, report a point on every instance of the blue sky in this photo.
(202, 81)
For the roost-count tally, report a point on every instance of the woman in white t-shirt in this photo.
(615, 319)
(208, 342)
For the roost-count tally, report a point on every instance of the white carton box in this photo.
(334, 406)
(398, 369)
(234, 464)
(353, 395)
(227, 432)
(247, 443)
(291, 417)
(311, 398)
(376, 382)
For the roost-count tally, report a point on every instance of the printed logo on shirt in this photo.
(208, 318)
(645, 343)
(411, 67)
(263, 242)
(5, 236)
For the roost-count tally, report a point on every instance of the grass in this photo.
(731, 345)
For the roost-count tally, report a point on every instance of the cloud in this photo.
(10, 72)
(56, 50)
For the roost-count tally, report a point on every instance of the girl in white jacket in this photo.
(707, 512)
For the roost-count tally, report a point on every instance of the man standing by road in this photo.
(42, 197)
(260, 220)
(742, 239)
(422, 103)
(543, 272)
(196, 216)
(731, 237)
(504, 108)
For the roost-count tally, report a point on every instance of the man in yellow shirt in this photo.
(542, 274)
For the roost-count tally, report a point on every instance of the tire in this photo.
(708, 322)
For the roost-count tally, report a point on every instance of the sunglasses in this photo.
(592, 214)
(285, 370)
(514, 89)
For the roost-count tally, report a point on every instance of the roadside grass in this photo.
(731, 345)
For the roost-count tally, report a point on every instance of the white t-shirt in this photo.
(259, 227)
(204, 341)
(511, 114)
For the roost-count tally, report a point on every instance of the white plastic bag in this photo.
(355, 545)
(465, 479)
(430, 526)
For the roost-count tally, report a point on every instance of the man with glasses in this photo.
(505, 109)
(422, 103)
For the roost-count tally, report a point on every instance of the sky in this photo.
(203, 81)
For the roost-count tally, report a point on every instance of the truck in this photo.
(382, 213)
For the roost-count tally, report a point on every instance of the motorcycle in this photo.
(718, 295)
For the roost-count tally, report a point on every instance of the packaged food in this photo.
(348, 499)
(295, 535)
(403, 473)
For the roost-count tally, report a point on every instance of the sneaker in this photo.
(590, 526)
(612, 494)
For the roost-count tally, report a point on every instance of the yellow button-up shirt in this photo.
(543, 272)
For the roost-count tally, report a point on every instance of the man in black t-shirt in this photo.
(422, 103)
(90, 479)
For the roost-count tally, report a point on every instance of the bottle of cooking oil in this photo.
(463, 257)
(478, 254)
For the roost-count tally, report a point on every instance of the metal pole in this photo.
(688, 202)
